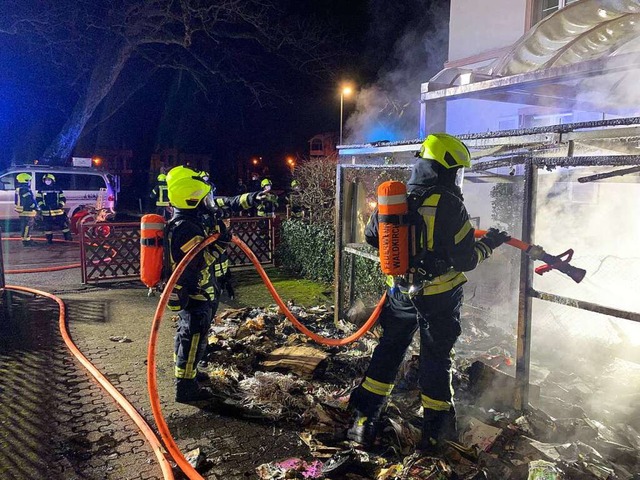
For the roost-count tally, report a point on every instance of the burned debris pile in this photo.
(262, 368)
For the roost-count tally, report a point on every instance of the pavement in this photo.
(57, 423)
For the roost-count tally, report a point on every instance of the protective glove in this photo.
(266, 197)
(494, 238)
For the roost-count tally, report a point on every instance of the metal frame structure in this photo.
(543, 147)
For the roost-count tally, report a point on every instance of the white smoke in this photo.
(389, 109)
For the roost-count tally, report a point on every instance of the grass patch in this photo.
(251, 291)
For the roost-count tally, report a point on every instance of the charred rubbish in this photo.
(261, 368)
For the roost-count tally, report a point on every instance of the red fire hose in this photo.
(552, 262)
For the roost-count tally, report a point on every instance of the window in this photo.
(7, 182)
(316, 144)
(544, 8)
(73, 181)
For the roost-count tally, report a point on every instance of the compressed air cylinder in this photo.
(151, 249)
(393, 228)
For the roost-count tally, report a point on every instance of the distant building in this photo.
(117, 161)
(323, 145)
(168, 158)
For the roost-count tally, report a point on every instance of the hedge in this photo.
(308, 250)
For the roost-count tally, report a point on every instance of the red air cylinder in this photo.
(151, 251)
(393, 228)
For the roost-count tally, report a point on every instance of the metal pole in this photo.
(341, 109)
(523, 351)
(352, 238)
(338, 248)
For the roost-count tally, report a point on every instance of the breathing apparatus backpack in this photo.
(152, 257)
(402, 230)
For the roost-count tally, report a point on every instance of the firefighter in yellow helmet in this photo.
(446, 247)
(267, 207)
(51, 202)
(25, 207)
(295, 208)
(160, 197)
(195, 296)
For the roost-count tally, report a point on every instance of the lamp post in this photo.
(345, 91)
(291, 163)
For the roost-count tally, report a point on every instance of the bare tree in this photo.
(88, 45)
(317, 177)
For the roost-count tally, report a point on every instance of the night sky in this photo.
(227, 121)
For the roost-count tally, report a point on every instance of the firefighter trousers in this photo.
(26, 226)
(192, 337)
(438, 319)
(56, 222)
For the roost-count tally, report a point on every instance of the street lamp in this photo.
(292, 163)
(346, 90)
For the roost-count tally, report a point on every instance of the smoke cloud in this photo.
(389, 109)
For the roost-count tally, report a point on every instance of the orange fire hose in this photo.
(553, 262)
(105, 384)
(315, 337)
(152, 385)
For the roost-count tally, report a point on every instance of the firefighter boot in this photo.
(68, 236)
(437, 427)
(364, 430)
(49, 237)
(188, 391)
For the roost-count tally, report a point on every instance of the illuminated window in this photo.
(544, 8)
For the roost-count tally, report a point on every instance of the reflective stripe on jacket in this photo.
(25, 203)
(51, 202)
(448, 234)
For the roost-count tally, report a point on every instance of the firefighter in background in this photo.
(25, 207)
(446, 249)
(267, 207)
(160, 197)
(196, 293)
(51, 202)
(294, 201)
(219, 221)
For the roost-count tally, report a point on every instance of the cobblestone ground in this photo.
(233, 447)
(56, 422)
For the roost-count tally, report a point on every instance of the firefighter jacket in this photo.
(294, 202)
(267, 207)
(51, 202)
(160, 194)
(197, 285)
(25, 203)
(445, 237)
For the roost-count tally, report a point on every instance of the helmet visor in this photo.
(210, 201)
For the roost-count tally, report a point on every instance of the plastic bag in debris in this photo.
(290, 468)
(351, 461)
(542, 470)
(195, 458)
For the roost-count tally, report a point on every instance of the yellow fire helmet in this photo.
(186, 187)
(49, 176)
(445, 149)
(23, 178)
(295, 183)
(265, 182)
(162, 177)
